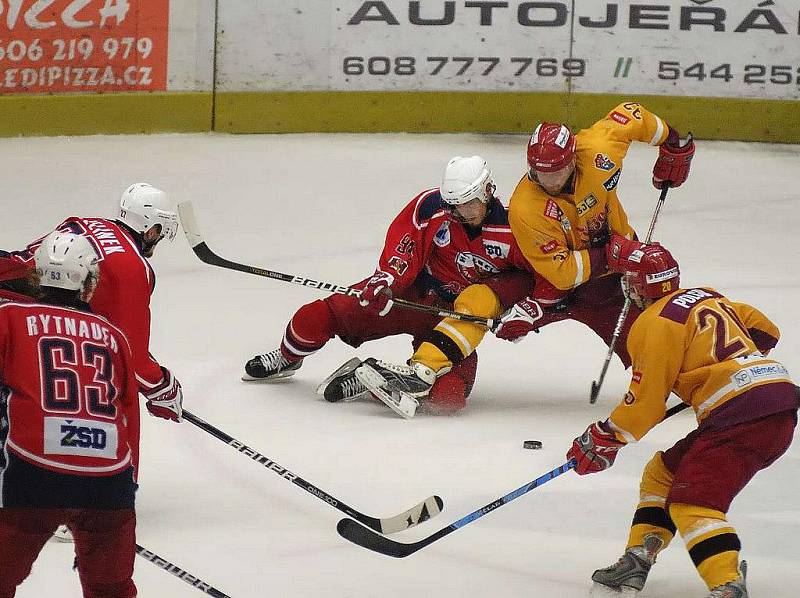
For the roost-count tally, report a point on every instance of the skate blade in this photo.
(347, 367)
(63, 535)
(279, 376)
(404, 406)
(600, 591)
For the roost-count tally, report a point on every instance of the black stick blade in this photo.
(594, 392)
(366, 538)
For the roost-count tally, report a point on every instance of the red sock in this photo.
(307, 332)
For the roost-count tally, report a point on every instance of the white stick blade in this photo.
(422, 512)
(189, 223)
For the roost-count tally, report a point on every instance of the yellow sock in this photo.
(711, 541)
(452, 340)
(651, 518)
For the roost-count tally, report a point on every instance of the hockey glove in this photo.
(674, 159)
(166, 399)
(518, 321)
(377, 294)
(594, 450)
(620, 252)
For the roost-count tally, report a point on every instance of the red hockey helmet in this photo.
(650, 272)
(551, 148)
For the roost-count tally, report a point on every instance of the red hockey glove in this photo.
(377, 294)
(620, 252)
(674, 160)
(166, 399)
(518, 321)
(594, 450)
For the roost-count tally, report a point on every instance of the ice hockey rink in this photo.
(318, 206)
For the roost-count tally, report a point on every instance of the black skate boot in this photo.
(399, 386)
(342, 384)
(630, 571)
(269, 366)
(732, 589)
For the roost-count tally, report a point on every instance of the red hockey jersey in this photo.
(123, 294)
(427, 245)
(68, 390)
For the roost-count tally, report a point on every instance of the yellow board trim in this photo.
(90, 114)
(494, 112)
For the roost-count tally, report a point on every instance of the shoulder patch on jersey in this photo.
(442, 237)
(636, 378)
(551, 210)
(603, 162)
(619, 117)
(680, 305)
(612, 181)
(429, 206)
(398, 264)
(629, 399)
(549, 246)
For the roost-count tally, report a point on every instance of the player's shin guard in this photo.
(651, 518)
(711, 541)
(453, 340)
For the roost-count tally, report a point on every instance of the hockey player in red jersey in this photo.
(69, 426)
(435, 248)
(712, 353)
(127, 281)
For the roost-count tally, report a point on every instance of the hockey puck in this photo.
(532, 444)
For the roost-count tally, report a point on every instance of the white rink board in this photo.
(190, 58)
(741, 49)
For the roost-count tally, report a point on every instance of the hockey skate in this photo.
(269, 366)
(628, 574)
(342, 384)
(732, 589)
(398, 386)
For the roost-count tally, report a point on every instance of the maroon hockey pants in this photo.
(711, 466)
(105, 546)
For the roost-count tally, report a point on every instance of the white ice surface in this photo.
(319, 205)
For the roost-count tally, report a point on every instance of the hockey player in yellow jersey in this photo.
(712, 353)
(565, 208)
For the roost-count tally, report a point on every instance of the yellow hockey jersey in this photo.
(554, 232)
(706, 349)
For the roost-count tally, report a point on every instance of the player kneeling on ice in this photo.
(443, 241)
(69, 426)
(710, 352)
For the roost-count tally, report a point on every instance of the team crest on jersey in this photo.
(474, 267)
(442, 237)
(603, 162)
(551, 210)
(629, 399)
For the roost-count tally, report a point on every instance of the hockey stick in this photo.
(626, 308)
(204, 252)
(193, 581)
(423, 511)
(358, 534)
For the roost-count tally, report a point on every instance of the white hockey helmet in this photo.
(142, 206)
(465, 179)
(66, 261)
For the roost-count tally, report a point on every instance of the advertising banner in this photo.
(55, 46)
(748, 48)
